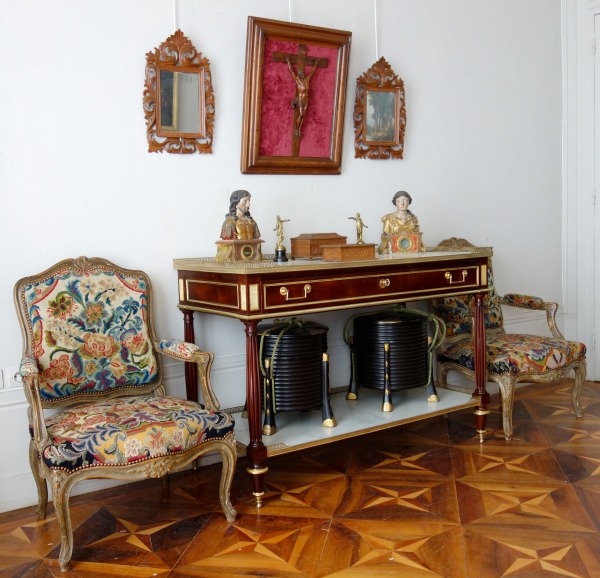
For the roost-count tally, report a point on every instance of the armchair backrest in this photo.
(86, 322)
(458, 312)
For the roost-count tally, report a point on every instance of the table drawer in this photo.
(347, 288)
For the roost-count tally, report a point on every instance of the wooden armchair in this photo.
(89, 346)
(510, 357)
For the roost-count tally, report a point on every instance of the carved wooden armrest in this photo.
(524, 301)
(30, 375)
(193, 354)
(535, 303)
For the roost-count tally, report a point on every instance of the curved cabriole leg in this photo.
(61, 489)
(327, 417)
(387, 386)
(269, 426)
(441, 374)
(580, 374)
(352, 387)
(40, 482)
(229, 456)
(507, 391)
(432, 395)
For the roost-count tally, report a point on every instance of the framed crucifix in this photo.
(294, 98)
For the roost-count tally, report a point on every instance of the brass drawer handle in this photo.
(449, 277)
(284, 291)
(384, 283)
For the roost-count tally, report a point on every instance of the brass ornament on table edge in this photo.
(240, 236)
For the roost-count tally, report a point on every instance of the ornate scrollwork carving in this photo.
(176, 51)
(381, 78)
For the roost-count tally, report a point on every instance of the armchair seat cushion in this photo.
(118, 432)
(517, 353)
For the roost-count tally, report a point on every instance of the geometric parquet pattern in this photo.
(422, 500)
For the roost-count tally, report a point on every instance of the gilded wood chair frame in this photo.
(62, 481)
(507, 382)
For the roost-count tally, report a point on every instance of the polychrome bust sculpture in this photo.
(239, 233)
(401, 228)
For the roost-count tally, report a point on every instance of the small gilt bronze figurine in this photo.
(400, 229)
(240, 234)
(359, 229)
(280, 255)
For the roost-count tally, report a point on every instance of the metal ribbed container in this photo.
(407, 335)
(297, 365)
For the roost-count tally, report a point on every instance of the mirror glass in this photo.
(179, 102)
(381, 116)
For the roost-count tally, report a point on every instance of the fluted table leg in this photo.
(481, 412)
(191, 370)
(256, 451)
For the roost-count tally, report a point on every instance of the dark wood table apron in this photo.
(252, 292)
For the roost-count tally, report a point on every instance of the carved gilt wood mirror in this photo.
(179, 104)
(379, 114)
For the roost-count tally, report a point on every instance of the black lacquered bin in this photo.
(391, 351)
(295, 369)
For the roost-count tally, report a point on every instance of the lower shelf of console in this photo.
(298, 430)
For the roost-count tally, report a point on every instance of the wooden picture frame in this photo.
(379, 114)
(179, 104)
(278, 136)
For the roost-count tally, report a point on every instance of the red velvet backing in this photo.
(278, 92)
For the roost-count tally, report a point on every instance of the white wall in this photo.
(482, 154)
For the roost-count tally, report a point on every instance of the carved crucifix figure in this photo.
(300, 102)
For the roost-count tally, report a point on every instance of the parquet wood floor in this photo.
(419, 501)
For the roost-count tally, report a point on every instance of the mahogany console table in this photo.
(252, 291)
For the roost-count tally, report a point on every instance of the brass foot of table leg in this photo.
(258, 496)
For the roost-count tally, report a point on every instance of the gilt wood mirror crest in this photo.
(179, 104)
(379, 114)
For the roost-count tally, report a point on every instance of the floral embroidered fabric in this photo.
(527, 301)
(454, 309)
(179, 349)
(129, 429)
(28, 366)
(89, 332)
(517, 354)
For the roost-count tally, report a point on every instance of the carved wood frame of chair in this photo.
(507, 381)
(63, 480)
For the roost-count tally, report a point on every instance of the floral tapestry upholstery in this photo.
(177, 348)
(28, 366)
(517, 354)
(527, 301)
(454, 309)
(89, 333)
(129, 429)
